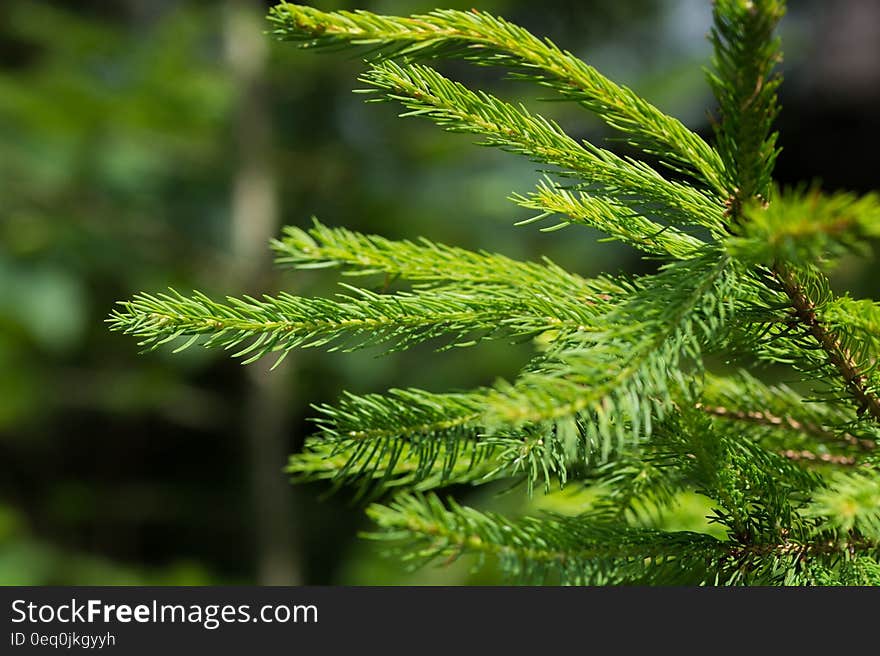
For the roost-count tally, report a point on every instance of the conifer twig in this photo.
(424, 91)
(838, 355)
(791, 454)
(764, 418)
(485, 39)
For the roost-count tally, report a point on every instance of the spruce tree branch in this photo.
(637, 356)
(446, 424)
(810, 456)
(801, 549)
(745, 55)
(572, 546)
(428, 263)
(451, 105)
(803, 226)
(583, 549)
(611, 217)
(473, 542)
(764, 418)
(360, 319)
(411, 467)
(485, 39)
(838, 356)
(440, 434)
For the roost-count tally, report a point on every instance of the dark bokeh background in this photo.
(147, 144)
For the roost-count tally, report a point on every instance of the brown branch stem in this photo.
(768, 419)
(838, 356)
(810, 456)
(803, 549)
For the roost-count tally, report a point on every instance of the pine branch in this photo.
(850, 570)
(362, 318)
(399, 413)
(409, 466)
(856, 323)
(758, 490)
(810, 456)
(782, 319)
(427, 262)
(615, 219)
(582, 550)
(754, 490)
(744, 398)
(451, 105)
(745, 54)
(745, 87)
(792, 562)
(805, 227)
(485, 39)
(405, 437)
(374, 430)
(630, 367)
(838, 356)
(763, 418)
(643, 478)
(553, 548)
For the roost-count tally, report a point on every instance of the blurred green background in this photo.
(154, 143)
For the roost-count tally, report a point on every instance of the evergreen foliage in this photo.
(622, 394)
